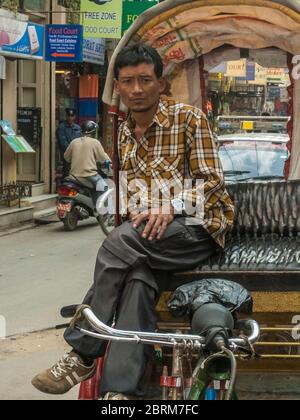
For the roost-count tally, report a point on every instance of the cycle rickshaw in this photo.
(263, 252)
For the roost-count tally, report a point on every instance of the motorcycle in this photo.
(78, 200)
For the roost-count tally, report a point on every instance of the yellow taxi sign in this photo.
(248, 125)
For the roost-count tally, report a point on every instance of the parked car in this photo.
(253, 156)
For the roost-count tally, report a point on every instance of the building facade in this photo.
(28, 98)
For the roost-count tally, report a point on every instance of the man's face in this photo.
(139, 87)
(71, 119)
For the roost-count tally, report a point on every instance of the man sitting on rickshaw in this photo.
(162, 142)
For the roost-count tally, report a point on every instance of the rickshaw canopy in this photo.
(193, 36)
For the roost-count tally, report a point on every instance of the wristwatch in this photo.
(178, 206)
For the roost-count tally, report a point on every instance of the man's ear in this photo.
(162, 85)
(116, 86)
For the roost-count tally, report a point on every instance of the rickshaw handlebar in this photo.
(104, 332)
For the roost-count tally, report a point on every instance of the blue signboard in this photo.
(21, 39)
(64, 43)
(94, 50)
(250, 72)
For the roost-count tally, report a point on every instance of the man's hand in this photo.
(158, 221)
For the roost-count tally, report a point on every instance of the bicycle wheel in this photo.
(106, 223)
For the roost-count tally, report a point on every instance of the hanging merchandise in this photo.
(88, 98)
(88, 86)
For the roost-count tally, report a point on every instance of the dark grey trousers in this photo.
(126, 284)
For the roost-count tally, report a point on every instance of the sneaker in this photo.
(119, 397)
(64, 375)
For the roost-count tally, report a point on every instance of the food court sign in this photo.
(20, 38)
(102, 18)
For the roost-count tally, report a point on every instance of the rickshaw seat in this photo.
(263, 251)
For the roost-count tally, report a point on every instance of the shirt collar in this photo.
(162, 115)
(161, 118)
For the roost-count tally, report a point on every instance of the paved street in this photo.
(43, 269)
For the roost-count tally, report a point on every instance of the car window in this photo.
(243, 160)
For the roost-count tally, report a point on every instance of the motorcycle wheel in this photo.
(106, 223)
(71, 221)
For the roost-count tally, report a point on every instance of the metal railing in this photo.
(12, 192)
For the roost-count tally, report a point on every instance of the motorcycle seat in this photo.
(81, 181)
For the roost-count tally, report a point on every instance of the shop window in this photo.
(29, 71)
(37, 5)
(27, 83)
(29, 97)
(69, 3)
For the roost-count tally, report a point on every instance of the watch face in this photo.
(178, 205)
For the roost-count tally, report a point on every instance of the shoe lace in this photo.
(64, 365)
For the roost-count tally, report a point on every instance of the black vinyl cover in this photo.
(190, 297)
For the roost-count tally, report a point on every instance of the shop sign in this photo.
(64, 43)
(133, 9)
(260, 75)
(94, 51)
(16, 142)
(29, 121)
(275, 74)
(248, 125)
(102, 19)
(20, 38)
(236, 68)
(250, 72)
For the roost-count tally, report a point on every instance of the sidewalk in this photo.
(31, 209)
(21, 358)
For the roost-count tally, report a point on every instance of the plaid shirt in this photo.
(177, 146)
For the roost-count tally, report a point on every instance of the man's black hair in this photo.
(138, 54)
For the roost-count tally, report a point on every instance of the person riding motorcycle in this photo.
(85, 153)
